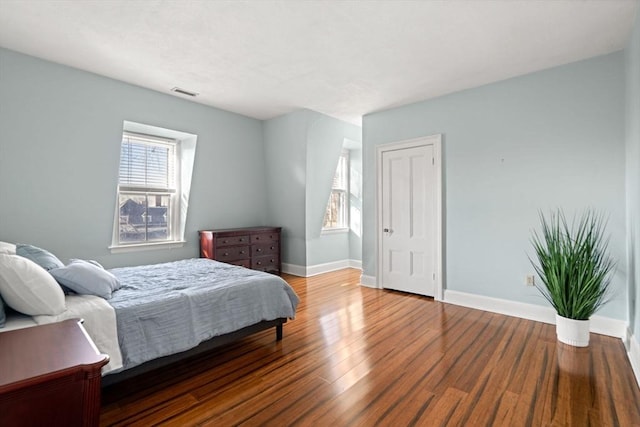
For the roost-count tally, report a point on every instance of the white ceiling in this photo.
(342, 58)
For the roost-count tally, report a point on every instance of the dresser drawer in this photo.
(264, 249)
(265, 237)
(231, 240)
(231, 253)
(265, 263)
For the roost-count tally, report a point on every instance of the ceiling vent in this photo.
(184, 92)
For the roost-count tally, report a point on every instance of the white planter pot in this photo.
(572, 332)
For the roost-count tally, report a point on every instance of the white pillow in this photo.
(28, 288)
(7, 248)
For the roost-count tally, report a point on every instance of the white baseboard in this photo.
(355, 263)
(608, 326)
(314, 270)
(368, 281)
(634, 354)
(296, 270)
(599, 324)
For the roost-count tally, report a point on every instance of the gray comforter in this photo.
(167, 308)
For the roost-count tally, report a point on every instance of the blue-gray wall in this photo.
(60, 134)
(355, 201)
(325, 140)
(553, 138)
(301, 151)
(550, 139)
(632, 56)
(286, 178)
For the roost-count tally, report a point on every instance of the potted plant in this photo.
(575, 270)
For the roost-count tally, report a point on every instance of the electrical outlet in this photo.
(531, 280)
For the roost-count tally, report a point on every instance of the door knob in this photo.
(386, 230)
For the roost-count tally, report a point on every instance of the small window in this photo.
(148, 189)
(336, 216)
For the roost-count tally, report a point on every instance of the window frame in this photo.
(173, 191)
(343, 192)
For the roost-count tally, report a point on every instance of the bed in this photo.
(164, 312)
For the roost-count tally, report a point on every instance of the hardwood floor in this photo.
(356, 356)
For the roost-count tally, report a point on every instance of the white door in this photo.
(408, 219)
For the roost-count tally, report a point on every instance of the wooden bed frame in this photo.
(203, 347)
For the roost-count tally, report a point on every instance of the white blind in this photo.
(147, 164)
(341, 178)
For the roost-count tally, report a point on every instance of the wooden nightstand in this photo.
(50, 375)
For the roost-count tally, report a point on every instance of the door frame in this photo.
(436, 142)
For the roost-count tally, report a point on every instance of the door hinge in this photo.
(434, 276)
(433, 160)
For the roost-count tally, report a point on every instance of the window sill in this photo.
(341, 230)
(137, 247)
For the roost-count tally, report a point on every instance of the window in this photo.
(154, 183)
(148, 189)
(336, 216)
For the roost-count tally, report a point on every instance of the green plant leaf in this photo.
(573, 263)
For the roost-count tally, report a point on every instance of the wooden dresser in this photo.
(257, 248)
(50, 375)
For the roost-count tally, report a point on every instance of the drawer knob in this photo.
(226, 254)
(259, 263)
(258, 250)
(224, 241)
(242, 252)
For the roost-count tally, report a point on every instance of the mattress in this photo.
(168, 308)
